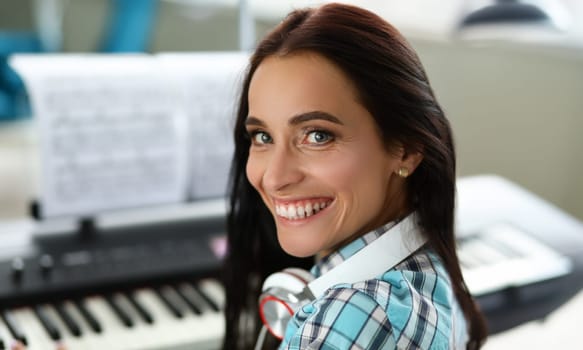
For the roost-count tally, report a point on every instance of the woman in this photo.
(338, 138)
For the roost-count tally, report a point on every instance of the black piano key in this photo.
(14, 327)
(206, 297)
(119, 311)
(47, 322)
(88, 316)
(165, 294)
(189, 301)
(68, 320)
(144, 313)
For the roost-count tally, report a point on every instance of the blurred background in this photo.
(511, 83)
(514, 98)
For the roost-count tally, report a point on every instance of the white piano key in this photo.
(214, 290)
(5, 335)
(13, 325)
(168, 328)
(194, 296)
(114, 334)
(90, 339)
(192, 331)
(141, 333)
(36, 336)
(169, 297)
(484, 252)
(467, 260)
(67, 338)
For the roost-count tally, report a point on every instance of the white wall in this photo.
(517, 111)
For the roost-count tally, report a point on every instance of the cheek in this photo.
(360, 178)
(347, 170)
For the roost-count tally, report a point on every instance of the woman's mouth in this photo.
(301, 209)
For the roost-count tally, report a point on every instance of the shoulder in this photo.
(342, 318)
(419, 301)
(409, 306)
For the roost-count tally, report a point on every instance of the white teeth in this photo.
(309, 209)
(293, 212)
(301, 212)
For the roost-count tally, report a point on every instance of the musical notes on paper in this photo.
(209, 91)
(123, 131)
(110, 134)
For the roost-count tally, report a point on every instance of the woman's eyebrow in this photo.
(297, 119)
(254, 121)
(314, 115)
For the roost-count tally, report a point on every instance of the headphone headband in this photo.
(385, 252)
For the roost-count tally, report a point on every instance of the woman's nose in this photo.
(282, 170)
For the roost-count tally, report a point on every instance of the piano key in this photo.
(68, 339)
(191, 297)
(466, 258)
(139, 336)
(508, 250)
(67, 319)
(213, 291)
(37, 337)
(114, 334)
(171, 300)
(14, 327)
(113, 301)
(165, 323)
(91, 320)
(47, 323)
(144, 333)
(5, 336)
(88, 338)
(205, 331)
(142, 311)
(483, 252)
(193, 331)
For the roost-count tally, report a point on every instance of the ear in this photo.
(410, 160)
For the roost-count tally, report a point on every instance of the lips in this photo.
(301, 209)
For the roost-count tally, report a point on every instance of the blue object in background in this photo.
(130, 25)
(13, 98)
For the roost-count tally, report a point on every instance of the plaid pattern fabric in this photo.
(410, 306)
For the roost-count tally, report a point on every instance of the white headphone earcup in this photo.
(291, 279)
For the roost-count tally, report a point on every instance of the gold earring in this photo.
(403, 172)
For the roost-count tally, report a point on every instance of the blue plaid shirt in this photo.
(410, 306)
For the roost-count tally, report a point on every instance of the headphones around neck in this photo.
(284, 292)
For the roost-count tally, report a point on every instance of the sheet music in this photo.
(111, 134)
(209, 84)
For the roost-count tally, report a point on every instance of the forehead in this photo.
(300, 83)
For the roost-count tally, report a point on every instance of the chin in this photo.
(296, 247)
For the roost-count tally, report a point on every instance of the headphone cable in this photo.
(261, 338)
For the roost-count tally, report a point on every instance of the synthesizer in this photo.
(139, 286)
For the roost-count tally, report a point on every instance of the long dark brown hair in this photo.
(393, 87)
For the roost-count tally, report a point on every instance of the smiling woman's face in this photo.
(316, 155)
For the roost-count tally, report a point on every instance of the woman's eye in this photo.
(260, 137)
(318, 137)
